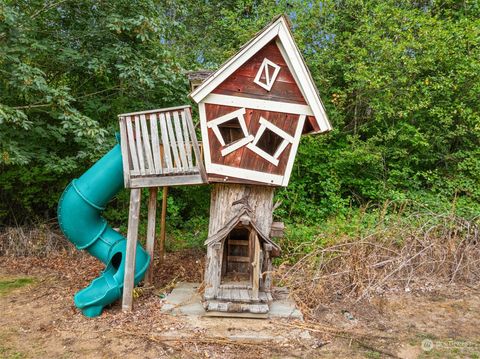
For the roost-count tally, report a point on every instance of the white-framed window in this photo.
(231, 131)
(267, 74)
(270, 141)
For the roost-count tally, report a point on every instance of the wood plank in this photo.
(132, 234)
(256, 268)
(232, 307)
(180, 142)
(243, 86)
(155, 144)
(236, 315)
(183, 180)
(150, 243)
(196, 150)
(188, 143)
(163, 223)
(238, 259)
(237, 242)
(146, 145)
(173, 143)
(244, 297)
(132, 147)
(176, 108)
(124, 149)
(168, 163)
(138, 142)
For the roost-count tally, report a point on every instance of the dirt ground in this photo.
(38, 320)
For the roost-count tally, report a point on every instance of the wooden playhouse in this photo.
(253, 112)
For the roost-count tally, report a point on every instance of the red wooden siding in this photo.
(240, 83)
(244, 157)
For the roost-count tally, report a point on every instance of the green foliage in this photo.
(8, 285)
(400, 81)
(66, 70)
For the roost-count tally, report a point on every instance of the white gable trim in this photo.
(304, 79)
(294, 62)
(235, 62)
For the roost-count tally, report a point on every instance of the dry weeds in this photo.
(443, 250)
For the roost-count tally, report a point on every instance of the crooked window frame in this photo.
(287, 138)
(264, 68)
(239, 115)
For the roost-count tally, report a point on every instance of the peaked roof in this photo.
(244, 211)
(280, 29)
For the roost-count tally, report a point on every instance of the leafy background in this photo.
(400, 81)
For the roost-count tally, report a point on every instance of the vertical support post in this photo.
(163, 224)
(267, 283)
(150, 245)
(132, 234)
(256, 267)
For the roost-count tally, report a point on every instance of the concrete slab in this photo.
(185, 300)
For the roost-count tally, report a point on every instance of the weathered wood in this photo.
(238, 259)
(124, 149)
(150, 245)
(245, 315)
(236, 307)
(155, 144)
(196, 150)
(163, 223)
(267, 275)
(256, 268)
(184, 180)
(132, 233)
(180, 142)
(132, 147)
(146, 145)
(173, 143)
(237, 242)
(222, 210)
(176, 108)
(168, 162)
(277, 230)
(188, 143)
(138, 143)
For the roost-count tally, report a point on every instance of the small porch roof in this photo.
(243, 213)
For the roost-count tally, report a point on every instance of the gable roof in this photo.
(244, 212)
(280, 30)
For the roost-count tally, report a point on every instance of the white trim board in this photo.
(278, 29)
(293, 151)
(257, 104)
(213, 168)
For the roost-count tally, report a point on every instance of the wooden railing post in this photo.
(163, 224)
(150, 245)
(132, 234)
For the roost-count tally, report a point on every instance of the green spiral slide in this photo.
(79, 216)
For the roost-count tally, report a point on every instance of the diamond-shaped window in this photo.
(267, 74)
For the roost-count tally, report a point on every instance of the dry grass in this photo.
(442, 250)
(39, 241)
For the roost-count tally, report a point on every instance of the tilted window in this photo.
(231, 131)
(270, 141)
